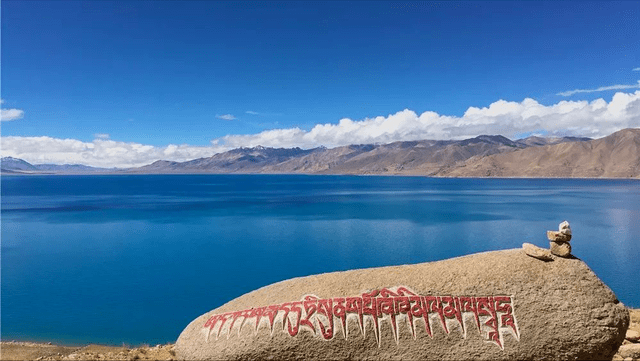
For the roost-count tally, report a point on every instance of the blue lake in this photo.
(133, 259)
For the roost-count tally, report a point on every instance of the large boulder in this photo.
(494, 306)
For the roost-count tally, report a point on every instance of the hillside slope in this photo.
(614, 156)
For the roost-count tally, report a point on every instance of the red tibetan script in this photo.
(492, 316)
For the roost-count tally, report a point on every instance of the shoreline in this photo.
(17, 350)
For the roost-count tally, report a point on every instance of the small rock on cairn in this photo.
(559, 240)
(537, 252)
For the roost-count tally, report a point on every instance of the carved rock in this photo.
(526, 310)
(537, 252)
(562, 249)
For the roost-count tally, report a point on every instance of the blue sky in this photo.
(201, 77)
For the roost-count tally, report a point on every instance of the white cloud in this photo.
(99, 153)
(635, 69)
(602, 88)
(595, 119)
(251, 112)
(10, 114)
(226, 117)
(101, 136)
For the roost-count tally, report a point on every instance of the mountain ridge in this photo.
(11, 165)
(614, 156)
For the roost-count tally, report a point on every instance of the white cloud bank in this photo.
(580, 118)
(595, 119)
(98, 153)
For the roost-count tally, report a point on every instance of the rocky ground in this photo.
(36, 351)
(630, 349)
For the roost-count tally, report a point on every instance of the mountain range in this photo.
(614, 156)
(12, 165)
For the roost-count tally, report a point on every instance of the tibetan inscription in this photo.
(492, 316)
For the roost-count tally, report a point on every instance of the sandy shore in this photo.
(38, 351)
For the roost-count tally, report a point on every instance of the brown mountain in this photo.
(423, 157)
(535, 141)
(240, 160)
(615, 156)
(10, 165)
(411, 158)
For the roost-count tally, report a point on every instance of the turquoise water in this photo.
(133, 259)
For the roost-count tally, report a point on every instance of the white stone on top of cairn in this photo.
(565, 228)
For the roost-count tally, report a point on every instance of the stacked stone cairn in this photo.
(559, 240)
(558, 244)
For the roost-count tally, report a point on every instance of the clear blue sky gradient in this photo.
(159, 72)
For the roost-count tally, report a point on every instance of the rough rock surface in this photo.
(554, 236)
(562, 249)
(631, 351)
(559, 310)
(537, 252)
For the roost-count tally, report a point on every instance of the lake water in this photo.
(133, 259)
